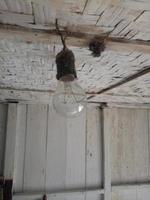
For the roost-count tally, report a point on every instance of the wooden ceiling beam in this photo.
(27, 97)
(74, 39)
(125, 80)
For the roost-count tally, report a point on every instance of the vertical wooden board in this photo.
(3, 5)
(130, 131)
(94, 160)
(124, 194)
(56, 151)
(139, 192)
(18, 6)
(26, 6)
(35, 149)
(115, 148)
(143, 192)
(141, 148)
(106, 154)
(75, 196)
(125, 144)
(39, 13)
(129, 145)
(10, 6)
(65, 153)
(10, 141)
(75, 160)
(20, 148)
(75, 157)
(3, 118)
(149, 139)
(94, 197)
(127, 130)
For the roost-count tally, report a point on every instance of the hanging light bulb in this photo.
(69, 99)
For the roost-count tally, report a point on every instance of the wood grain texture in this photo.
(18, 6)
(107, 155)
(15, 18)
(94, 147)
(130, 148)
(137, 192)
(94, 157)
(53, 167)
(56, 151)
(75, 151)
(20, 148)
(61, 163)
(35, 149)
(3, 119)
(10, 145)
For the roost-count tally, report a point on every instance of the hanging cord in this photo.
(61, 35)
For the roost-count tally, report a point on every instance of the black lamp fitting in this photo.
(65, 62)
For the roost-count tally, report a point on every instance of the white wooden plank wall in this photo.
(3, 119)
(94, 157)
(47, 159)
(107, 154)
(54, 153)
(130, 145)
(35, 148)
(130, 153)
(10, 147)
(20, 147)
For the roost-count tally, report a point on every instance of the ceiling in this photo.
(29, 44)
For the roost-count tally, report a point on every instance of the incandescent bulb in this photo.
(69, 99)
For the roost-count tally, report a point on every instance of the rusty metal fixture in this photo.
(69, 99)
(97, 47)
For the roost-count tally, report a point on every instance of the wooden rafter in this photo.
(74, 39)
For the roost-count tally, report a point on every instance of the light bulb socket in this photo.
(65, 62)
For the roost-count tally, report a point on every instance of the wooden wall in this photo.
(54, 154)
(130, 145)
(3, 117)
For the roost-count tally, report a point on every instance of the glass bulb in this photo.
(69, 99)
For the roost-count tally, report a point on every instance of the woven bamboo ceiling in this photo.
(29, 44)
